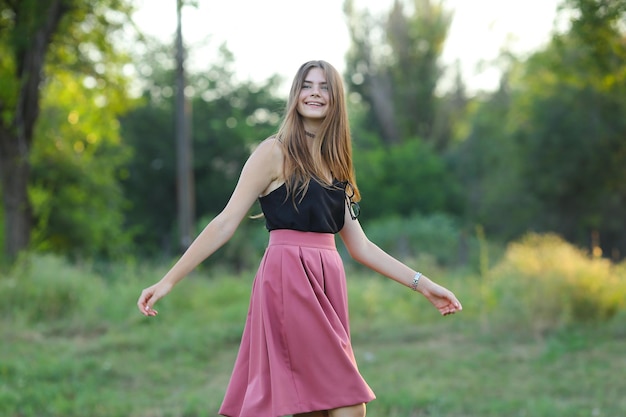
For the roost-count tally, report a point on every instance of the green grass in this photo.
(73, 345)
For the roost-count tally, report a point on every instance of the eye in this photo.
(325, 87)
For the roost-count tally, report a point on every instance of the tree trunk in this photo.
(16, 131)
(382, 104)
(15, 170)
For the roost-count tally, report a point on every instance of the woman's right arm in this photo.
(262, 168)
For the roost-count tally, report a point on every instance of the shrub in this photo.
(46, 288)
(436, 235)
(549, 283)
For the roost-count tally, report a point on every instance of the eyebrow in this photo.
(313, 82)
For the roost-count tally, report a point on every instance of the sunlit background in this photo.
(276, 36)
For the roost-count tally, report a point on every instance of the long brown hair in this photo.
(332, 145)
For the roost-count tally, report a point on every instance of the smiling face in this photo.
(313, 100)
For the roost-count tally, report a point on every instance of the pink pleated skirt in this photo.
(295, 354)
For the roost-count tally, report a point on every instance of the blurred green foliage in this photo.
(549, 284)
(63, 88)
(229, 119)
(406, 179)
(546, 152)
(77, 161)
(542, 153)
(73, 339)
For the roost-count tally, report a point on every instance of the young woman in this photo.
(295, 356)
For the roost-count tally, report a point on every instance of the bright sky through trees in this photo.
(276, 36)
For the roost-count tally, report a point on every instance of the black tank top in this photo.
(321, 210)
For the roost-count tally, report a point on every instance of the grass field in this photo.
(73, 345)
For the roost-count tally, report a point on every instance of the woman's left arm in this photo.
(362, 250)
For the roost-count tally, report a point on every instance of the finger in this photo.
(146, 302)
(450, 309)
(151, 302)
(142, 302)
(151, 311)
(141, 305)
(455, 302)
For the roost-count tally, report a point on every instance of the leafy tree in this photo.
(487, 164)
(37, 37)
(400, 126)
(393, 65)
(546, 151)
(148, 130)
(228, 118)
(76, 159)
(572, 136)
(405, 179)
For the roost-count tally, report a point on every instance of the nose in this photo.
(315, 90)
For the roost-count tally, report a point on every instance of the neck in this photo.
(311, 127)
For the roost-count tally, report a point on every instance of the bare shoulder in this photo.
(271, 147)
(269, 157)
(270, 151)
